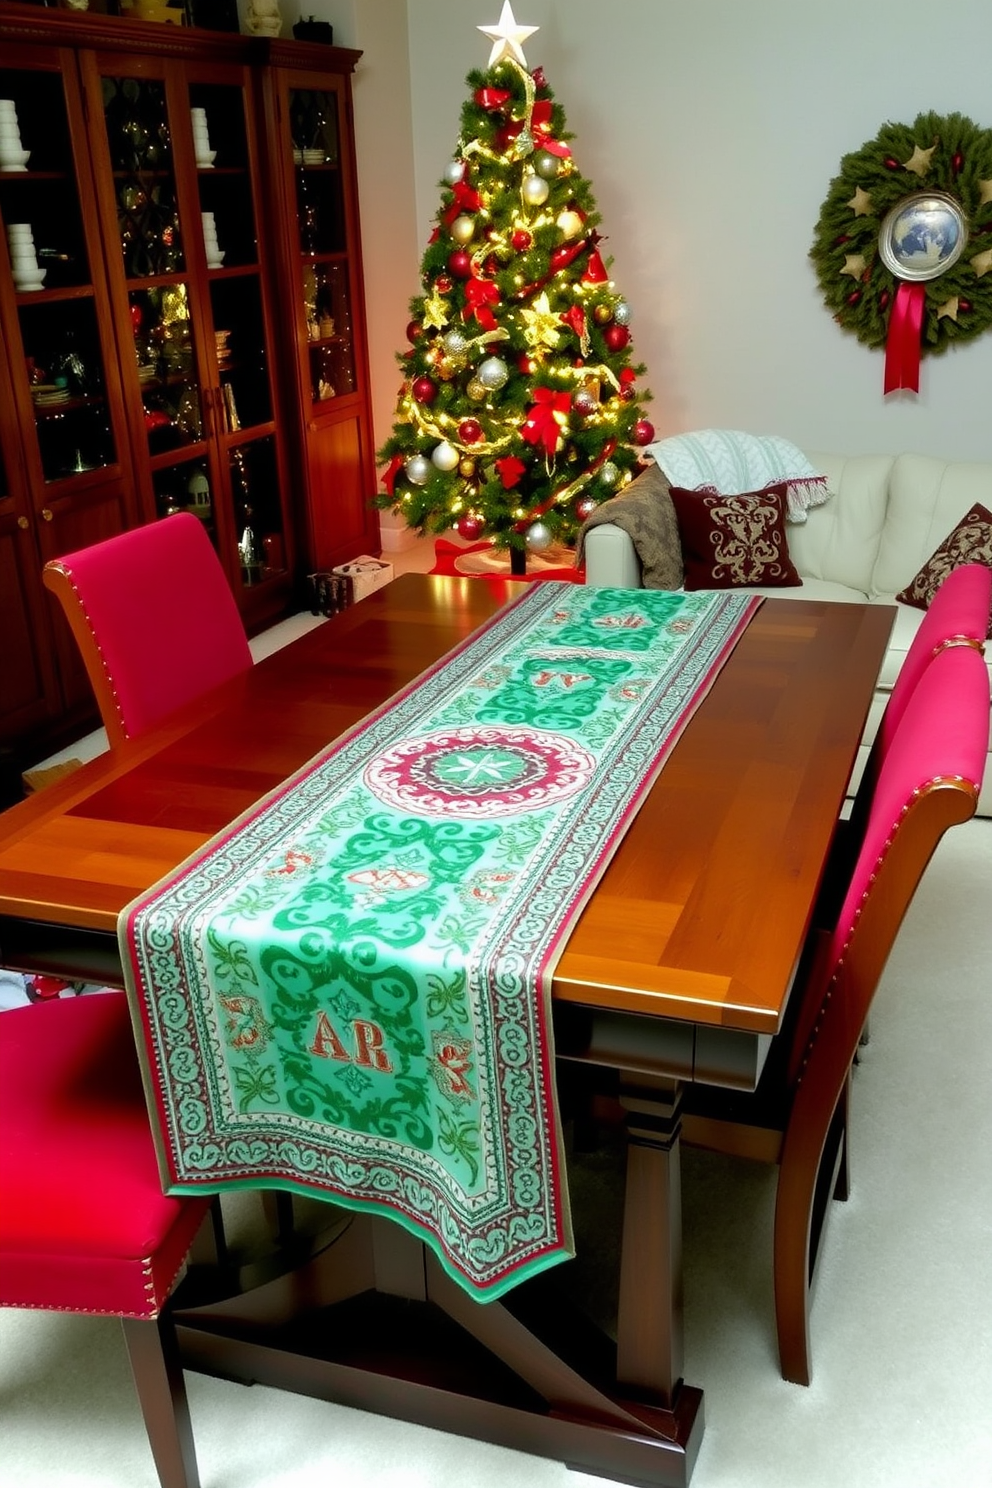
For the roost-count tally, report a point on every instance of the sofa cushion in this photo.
(969, 542)
(927, 499)
(839, 542)
(735, 541)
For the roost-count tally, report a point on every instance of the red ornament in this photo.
(843, 238)
(521, 241)
(616, 337)
(525, 364)
(883, 300)
(442, 284)
(585, 508)
(470, 431)
(854, 298)
(957, 161)
(424, 389)
(964, 305)
(460, 264)
(540, 81)
(414, 331)
(891, 164)
(470, 527)
(643, 431)
(627, 375)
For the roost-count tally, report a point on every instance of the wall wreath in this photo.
(903, 245)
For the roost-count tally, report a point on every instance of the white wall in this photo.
(710, 131)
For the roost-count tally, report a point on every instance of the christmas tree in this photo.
(519, 410)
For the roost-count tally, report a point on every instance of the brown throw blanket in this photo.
(645, 512)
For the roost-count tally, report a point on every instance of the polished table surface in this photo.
(679, 969)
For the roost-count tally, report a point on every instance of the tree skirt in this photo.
(348, 992)
(483, 560)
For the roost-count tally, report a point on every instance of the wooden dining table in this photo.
(679, 969)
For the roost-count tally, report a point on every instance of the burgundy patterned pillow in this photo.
(734, 542)
(970, 542)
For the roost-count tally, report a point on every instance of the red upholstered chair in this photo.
(84, 1226)
(154, 618)
(928, 780)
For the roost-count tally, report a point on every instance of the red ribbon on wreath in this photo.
(545, 418)
(902, 349)
(479, 295)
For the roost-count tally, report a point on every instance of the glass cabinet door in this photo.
(322, 239)
(61, 323)
(182, 161)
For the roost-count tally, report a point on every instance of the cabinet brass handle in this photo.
(46, 514)
(23, 523)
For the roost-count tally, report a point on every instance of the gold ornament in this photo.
(570, 223)
(854, 265)
(466, 468)
(919, 161)
(602, 314)
(507, 36)
(476, 391)
(436, 311)
(463, 229)
(948, 308)
(541, 322)
(446, 368)
(985, 192)
(982, 262)
(860, 203)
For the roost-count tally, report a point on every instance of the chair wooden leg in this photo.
(277, 1206)
(154, 1354)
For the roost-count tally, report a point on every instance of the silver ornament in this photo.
(455, 343)
(538, 537)
(463, 229)
(476, 391)
(525, 142)
(493, 373)
(546, 165)
(535, 191)
(621, 313)
(609, 474)
(444, 456)
(454, 172)
(418, 470)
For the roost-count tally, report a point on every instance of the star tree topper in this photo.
(507, 36)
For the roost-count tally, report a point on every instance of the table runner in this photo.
(347, 991)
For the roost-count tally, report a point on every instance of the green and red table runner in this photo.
(348, 991)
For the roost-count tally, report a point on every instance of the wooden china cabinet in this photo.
(181, 318)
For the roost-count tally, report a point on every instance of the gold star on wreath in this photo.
(982, 262)
(919, 161)
(436, 312)
(507, 36)
(542, 323)
(985, 191)
(854, 265)
(860, 203)
(948, 308)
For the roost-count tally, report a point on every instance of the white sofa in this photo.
(886, 515)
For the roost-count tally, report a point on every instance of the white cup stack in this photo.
(13, 156)
(23, 262)
(205, 157)
(215, 255)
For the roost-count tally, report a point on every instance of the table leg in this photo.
(649, 1321)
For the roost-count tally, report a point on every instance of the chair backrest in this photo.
(958, 613)
(929, 780)
(154, 618)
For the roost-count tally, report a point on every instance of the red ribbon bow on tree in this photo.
(540, 128)
(467, 199)
(389, 475)
(545, 419)
(480, 294)
(492, 98)
(510, 470)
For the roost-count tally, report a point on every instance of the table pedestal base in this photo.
(373, 1322)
